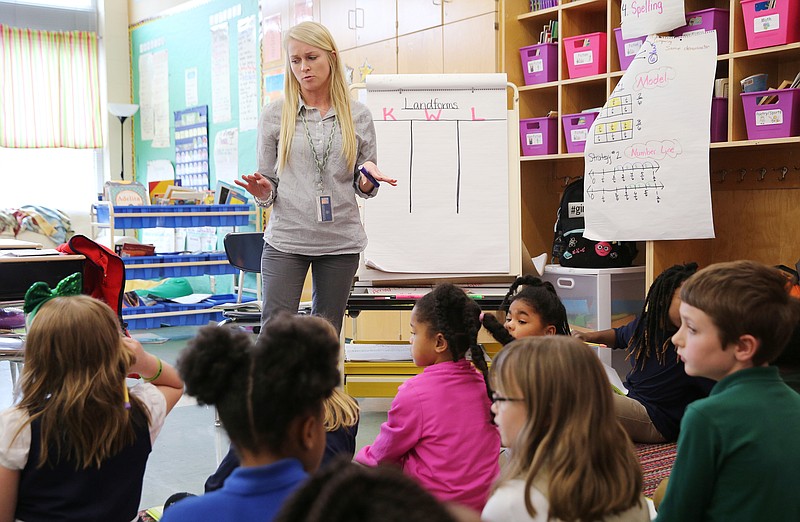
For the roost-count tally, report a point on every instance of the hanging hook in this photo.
(784, 170)
(566, 180)
(762, 173)
(742, 174)
(723, 173)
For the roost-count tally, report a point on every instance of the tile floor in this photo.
(190, 446)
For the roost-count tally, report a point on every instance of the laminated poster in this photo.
(647, 154)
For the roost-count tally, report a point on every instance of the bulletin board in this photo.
(205, 53)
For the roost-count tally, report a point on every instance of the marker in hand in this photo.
(367, 175)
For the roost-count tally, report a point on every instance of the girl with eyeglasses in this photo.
(570, 458)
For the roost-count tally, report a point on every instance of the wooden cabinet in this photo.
(359, 22)
(420, 52)
(455, 10)
(755, 183)
(418, 15)
(377, 58)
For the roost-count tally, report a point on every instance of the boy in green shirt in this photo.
(739, 449)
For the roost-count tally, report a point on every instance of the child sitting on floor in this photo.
(439, 427)
(532, 308)
(570, 459)
(76, 445)
(269, 397)
(658, 388)
(738, 452)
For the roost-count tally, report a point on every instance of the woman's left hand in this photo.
(376, 173)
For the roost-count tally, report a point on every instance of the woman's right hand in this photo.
(255, 184)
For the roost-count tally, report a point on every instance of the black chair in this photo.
(244, 252)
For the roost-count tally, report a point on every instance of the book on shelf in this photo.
(125, 193)
(765, 100)
(230, 194)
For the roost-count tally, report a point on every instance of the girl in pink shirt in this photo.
(439, 429)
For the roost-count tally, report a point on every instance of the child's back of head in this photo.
(745, 298)
(260, 389)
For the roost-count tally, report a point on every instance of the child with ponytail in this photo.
(439, 428)
(532, 308)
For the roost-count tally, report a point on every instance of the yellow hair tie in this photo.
(158, 373)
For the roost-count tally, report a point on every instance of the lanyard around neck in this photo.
(319, 162)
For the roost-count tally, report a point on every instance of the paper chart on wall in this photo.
(643, 17)
(444, 138)
(647, 153)
(248, 73)
(220, 74)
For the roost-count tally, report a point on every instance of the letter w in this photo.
(434, 117)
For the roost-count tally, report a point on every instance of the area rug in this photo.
(656, 461)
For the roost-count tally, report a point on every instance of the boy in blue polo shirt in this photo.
(739, 449)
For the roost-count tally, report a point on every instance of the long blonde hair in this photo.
(316, 35)
(571, 441)
(341, 411)
(72, 381)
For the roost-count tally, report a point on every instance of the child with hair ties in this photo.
(76, 444)
(570, 458)
(269, 396)
(439, 428)
(532, 308)
(658, 388)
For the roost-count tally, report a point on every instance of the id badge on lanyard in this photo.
(324, 209)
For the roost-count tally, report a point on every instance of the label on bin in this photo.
(535, 66)
(578, 134)
(631, 48)
(583, 58)
(534, 139)
(766, 23)
(770, 117)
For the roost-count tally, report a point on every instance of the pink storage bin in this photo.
(765, 27)
(719, 119)
(627, 48)
(538, 136)
(539, 63)
(707, 20)
(779, 119)
(576, 129)
(586, 54)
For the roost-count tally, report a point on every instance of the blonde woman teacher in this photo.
(316, 153)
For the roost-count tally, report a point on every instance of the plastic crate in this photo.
(576, 129)
(627, 48)
(219, 269)
(708, 20)
(719, 119)
(215, 300)
(182, 271)
(586, 54)
(539, 63)
(777, 119)
(771, 22)
(133, 270)
(143, 323)
(538, 136)
(228, 221)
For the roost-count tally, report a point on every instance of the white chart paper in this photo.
(248, 74)
(647, 153)
(220, 74)
(643, 17)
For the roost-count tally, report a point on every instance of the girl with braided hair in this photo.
(439, 428)
(532, 308)
(658, 388)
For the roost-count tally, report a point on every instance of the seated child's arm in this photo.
(606, 337)
(166, 376)
(401, 432)
(9, 484)
(691, 482)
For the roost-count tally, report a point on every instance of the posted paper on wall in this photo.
(647, 153)
(248, 74)
(220, 74)
(643, 17)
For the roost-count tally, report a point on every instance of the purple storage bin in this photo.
(538, 136)
(778, 119)
(707, 20)
(576, 129)
(627, 48)
(539, 63)
(719, 119)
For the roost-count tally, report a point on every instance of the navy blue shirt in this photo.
(663, 389)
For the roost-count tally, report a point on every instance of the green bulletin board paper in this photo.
(186, 36)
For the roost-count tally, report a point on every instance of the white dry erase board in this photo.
(455, 209)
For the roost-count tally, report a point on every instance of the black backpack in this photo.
(571, 249)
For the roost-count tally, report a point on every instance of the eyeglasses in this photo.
(499, 398)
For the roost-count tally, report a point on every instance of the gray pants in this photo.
(283, 276)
